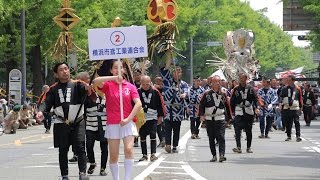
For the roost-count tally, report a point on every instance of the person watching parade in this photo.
(11, 121)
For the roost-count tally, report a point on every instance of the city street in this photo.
(29, 155)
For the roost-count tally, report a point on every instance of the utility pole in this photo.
(191, 60)
(23, 56)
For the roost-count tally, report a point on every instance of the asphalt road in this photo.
(29, 155)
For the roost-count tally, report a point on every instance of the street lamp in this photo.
(212, 43)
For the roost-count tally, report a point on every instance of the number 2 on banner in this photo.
(117, 38)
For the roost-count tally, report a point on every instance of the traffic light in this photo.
(302, 38)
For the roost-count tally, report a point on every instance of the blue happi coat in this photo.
(195, 95)
(270, 97)
(171, 95)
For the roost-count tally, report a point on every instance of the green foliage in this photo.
(273, 47)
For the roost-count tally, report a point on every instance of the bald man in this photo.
(215, 110)
(153, 107)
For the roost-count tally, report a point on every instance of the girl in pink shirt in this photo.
(116, 128)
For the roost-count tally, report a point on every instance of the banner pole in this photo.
(120, 90)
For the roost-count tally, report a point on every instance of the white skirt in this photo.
(115, 131)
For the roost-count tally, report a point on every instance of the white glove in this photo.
(270, 106)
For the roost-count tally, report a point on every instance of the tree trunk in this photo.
(36, 71)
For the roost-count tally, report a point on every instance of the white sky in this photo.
(275, 15)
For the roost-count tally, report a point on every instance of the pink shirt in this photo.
(111, 91)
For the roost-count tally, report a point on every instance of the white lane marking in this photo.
(163, 167)
(149, 169)
(46, 166)
(192, 173)
(183, 142)
(175, 173)
(174, 162)
(37, 154)
(306, 148)
(52, 147)
(316, 148)
(143, 163)
(311, 150)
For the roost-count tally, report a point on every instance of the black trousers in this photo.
(216, 130)
(161, 131)
(194, 125)
(172, 126)
(91, 137)
(47, 121)
(307, 113)
(149, 128)
(243, 122)
(66, 135)
(290, 117)
(265, 124)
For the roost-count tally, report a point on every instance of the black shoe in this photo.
(222, 158)
(308, 124)
(103, 172)
(174, 150)
(237, 150)
(197, 136)
(65, 178)
(288, 139)
(73, 159)
(91, 168)
(144, 158)
(83, 176)
(214, 159)
(261, 136)
(136, 144)
(274, 127)
(266, 136)
(47, 131)
(298, 139)
(249, 150)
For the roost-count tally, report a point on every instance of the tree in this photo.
(273, 46)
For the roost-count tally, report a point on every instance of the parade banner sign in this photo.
(117, 43)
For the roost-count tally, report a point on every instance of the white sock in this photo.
(128, 166)
(114, 171)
